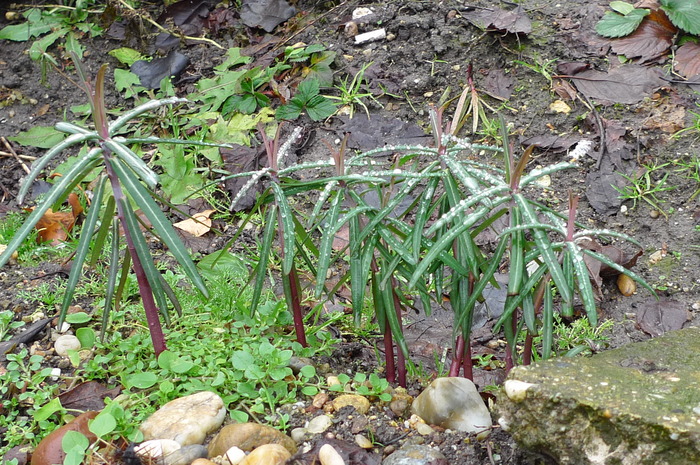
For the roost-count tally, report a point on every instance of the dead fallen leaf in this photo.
(198, 225)
(266, 14)
(89, 395)
(553, 143)
(559, 106)
(687, 60)
(499, 84)
(659, 316)
(563, 89)
(666, 116)
(597, 269)
(54, 226)
(627, 84)
(652, 39)
(514, 21)
(242, 159)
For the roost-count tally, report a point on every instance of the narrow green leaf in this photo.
(144, 255)
(638, 279)
(141, 109)
(547, 323)
(421, 217)
(517, 250)
(111, 276)
(544, 247)
(82, 249)
(105, 225)
(287, 224)
(134, 162)
(263, 260)
(326, 248)
(39, 165)
(160, 223)
(584, 283)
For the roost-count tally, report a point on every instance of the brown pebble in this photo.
(626, 285)
(654, 214)
(351, 29)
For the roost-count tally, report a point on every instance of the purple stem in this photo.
(149, 304)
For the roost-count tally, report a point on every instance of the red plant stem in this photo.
(467, 362)
(149, 304)
(299, 329)
(527, 351)
(400, 359)
(457, 357)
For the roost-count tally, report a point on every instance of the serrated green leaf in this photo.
(39, 136)
(320, 108)
(290, 111)
(126, 55)
(616, 25)
(621, 7)
(684, 14)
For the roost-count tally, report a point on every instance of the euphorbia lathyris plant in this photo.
(132, 183)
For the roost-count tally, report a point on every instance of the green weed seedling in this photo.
(26, 387)
(644, 186)
(691, 171)
(352, 93)
(694, 127)
(363, 385)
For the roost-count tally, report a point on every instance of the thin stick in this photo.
(23, 157)
(14, 154)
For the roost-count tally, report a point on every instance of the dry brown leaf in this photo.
(652, 39)
(198, 225)
(54, 226)
(687, 60)
(627, 84)
(667, 117)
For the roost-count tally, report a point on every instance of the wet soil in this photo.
(428, 48)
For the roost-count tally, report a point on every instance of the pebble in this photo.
(297, 363)
(361, 404)
(320, 399)
(453, 403)
(235, 455)
(319, 424)
(186, 420)
(49, 451)
(267, 454)
(248, 436)
(423, 429)
(362, 441)
(154, 449)
(185, 455)
(414, 455)
(400, 402)
(298, 434)
(202, 462)
(327, 455)
(65, 343)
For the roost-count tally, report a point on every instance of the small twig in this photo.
(14, 154)
(23, 157)
(601, 128)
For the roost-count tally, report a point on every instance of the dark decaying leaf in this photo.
(241, 159)
(600, 192)
(687, 60)
(350, 453)
(652, 39)
(598, 270)
(19, 453)
(366, 134)
(572, 67)
(552, 143)
(266, 14)
(627, 84)
(88, 396)
(564, 89)
(192, 12)
(152, 72)
(189, 16)
(499, 84)
(514, 21)
(656, 317)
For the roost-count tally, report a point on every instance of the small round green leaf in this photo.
(141, 380)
